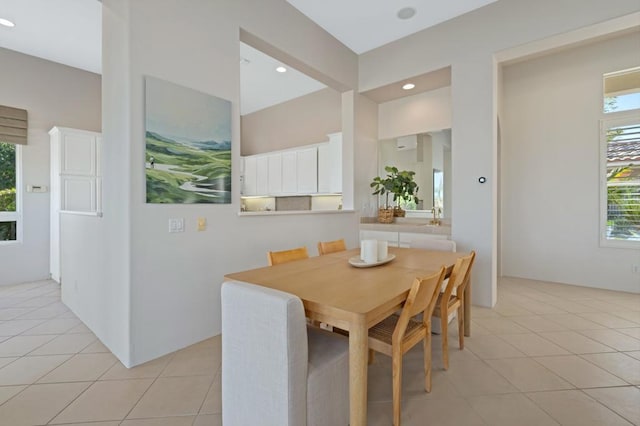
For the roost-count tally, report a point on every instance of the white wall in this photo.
(360, 159)
(415, 114)
(551, 167)
(169, 283)
(53, 95)
(468, 43)
(301, 121)
(173, 280)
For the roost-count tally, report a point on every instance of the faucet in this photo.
(435, 220)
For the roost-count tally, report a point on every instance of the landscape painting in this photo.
(188, 145)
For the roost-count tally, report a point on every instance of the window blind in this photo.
(13, 125)
(623, 182)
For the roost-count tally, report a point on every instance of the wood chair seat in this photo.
(383, 332)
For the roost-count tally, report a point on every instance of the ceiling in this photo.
(64, 31)
(70, 32)
(362, 25)
(261, 86)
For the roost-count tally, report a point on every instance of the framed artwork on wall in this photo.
(188, 145)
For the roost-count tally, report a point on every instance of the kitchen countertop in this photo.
(415, 225)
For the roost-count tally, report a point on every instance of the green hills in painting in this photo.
(187, 172)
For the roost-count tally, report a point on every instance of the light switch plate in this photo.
(202, 224)
(176, 225)
(37, 188)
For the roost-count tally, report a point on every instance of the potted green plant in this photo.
(401, 185)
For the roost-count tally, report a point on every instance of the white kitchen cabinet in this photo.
(406, 238)
(262, 175)
(289, 172)
(275, 174)
(250, 179)
(293, 171)
(307, 160)
(389, 236)
(75, 181)
(399, 239)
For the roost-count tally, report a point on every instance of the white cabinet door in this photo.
(78, 153)
(78, 193)
(275, 173)
(406, 238)
(262, 172)
(250, 176)
(75, 170)
(307, 170)
(289, 172)
(75, 181)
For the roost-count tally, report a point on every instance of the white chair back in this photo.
(264, 357)
(275, 370)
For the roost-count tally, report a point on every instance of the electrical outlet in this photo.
(202, 224)
(176, 225)
(635, 269)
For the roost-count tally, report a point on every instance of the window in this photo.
(620, 209)
(621, 91)
(620, 160)
(9, 199)
(13, 132)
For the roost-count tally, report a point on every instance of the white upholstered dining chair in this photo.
(276, 371)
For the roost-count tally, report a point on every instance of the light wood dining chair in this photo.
(437, 244)
(395, 335)
(452, 300)
(284, 256)
(326, 247)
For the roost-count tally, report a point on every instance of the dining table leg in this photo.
(358, 356)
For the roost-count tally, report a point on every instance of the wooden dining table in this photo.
(353, 299)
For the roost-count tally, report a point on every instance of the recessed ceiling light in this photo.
(281, 69)
(408, 86)
(7, 23)
(406, 13)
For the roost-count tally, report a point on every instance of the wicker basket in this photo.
(398, 212)
(385, 215)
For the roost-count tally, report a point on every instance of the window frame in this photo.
(17, 215)
(612, 119)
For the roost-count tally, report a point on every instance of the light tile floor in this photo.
(547, 354)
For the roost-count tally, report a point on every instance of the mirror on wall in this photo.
(429, 156)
